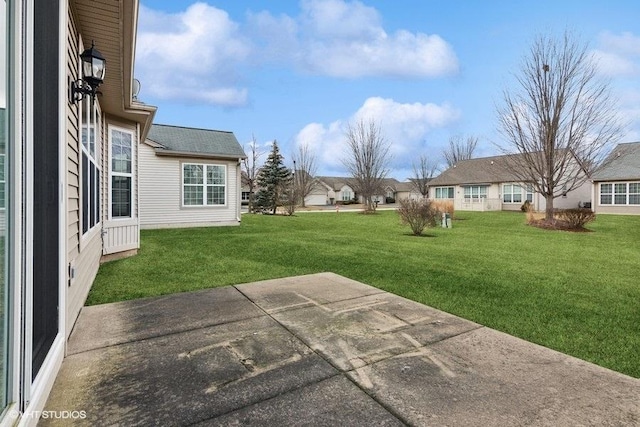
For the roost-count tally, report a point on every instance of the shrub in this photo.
(443, 206)
(389, 200)
(576, 218)
(418, 214)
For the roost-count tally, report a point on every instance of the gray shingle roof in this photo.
(335, 182)
(623, 163)
(196, 141)
(485, 170)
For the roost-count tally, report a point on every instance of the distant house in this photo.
(334, 189)
(407, 190)
(189, 178)
(486, 184)
(616, 187)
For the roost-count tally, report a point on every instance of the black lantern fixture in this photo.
(93, 69)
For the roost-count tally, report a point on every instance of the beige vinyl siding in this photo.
(83, 254)
(160, 195)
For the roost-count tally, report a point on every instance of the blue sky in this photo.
(299, 71)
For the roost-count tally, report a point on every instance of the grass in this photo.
(577, 293)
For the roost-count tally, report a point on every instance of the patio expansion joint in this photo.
(166, 334)
(340, 371)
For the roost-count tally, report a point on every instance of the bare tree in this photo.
(304, 169)
(423, 172)
(250, 170)
(368, 159)
(561, 119)
(459, 148)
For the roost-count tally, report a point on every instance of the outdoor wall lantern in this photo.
(93, 69)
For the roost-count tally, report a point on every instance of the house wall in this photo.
(82, 252)
(610, 209)
(160, 185)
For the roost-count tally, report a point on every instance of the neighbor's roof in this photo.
(335, 182)
(485, 170)
(622, 163)
(181, 141)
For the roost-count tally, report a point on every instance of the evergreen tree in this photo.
(273, 180)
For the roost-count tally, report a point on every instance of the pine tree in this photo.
(273, 180)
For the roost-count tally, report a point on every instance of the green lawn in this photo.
(578, 293)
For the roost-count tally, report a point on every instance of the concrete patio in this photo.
(320, 350)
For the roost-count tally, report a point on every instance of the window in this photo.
(245, 196)
(121, 164)
(474, 193)
(203, 185)
(2, 180)
(634, 193)
(620, 193)
(90, 170)
(444, 192)
(346, 195)
(516, 193)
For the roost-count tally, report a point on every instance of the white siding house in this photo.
(69, 172)
(189, 178)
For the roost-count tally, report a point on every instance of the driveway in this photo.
(320, 350)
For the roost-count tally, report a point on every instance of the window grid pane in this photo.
(121, 196)
(215, 195)
(193, 195)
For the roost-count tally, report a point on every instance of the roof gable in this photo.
(177, 140)
(622, 163)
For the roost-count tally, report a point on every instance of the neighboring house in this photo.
(189, 178)
(70, 171)
(486, 184)
(335, 189)
(616, 187)
(341, 189)
(407, 190)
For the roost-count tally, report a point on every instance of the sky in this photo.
(425, 71)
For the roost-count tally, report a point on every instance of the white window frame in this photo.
(204, 185)
(347, 196)
(439, 191)
(90, 120)
(475, 193)
(525, 193)
(613, 191)
(113, 173)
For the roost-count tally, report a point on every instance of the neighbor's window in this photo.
(203, 184)
(634, 193)
(90, 169)
(245, 196)
(620, 193)
(474, 193)
(516, 193)
(346, 195)
(444, 192)
(606, 194)
(121, 173)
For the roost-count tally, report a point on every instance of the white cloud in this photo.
(201, 54)
(346, 39)
(404, 126)
(618, 55)
(192, 55)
